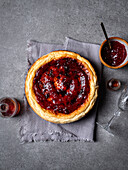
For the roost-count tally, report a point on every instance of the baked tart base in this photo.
(61, 87)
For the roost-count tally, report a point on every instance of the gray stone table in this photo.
(50, 21)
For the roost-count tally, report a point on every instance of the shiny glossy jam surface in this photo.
(62, 85)
(114, 56)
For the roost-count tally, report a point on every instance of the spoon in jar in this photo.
(106, 36)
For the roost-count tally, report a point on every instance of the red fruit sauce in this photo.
(114, 56)
(62, 85)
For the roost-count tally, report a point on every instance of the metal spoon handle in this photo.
(105, 33)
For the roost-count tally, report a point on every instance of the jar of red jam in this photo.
(116, 56)
(9, 107)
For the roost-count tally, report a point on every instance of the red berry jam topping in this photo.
(114, 56)
(62, 85)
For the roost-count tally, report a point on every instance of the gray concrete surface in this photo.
(50, 21)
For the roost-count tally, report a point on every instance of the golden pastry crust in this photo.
(48, 115)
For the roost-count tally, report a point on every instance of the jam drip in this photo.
(61, 85)
(116, 55)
